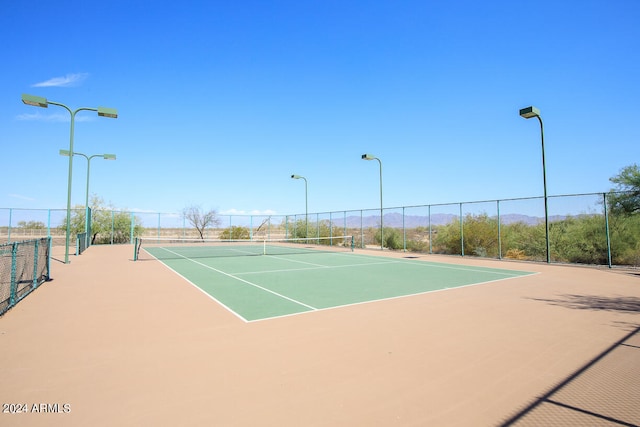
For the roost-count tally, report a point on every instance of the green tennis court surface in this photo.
(260, 287)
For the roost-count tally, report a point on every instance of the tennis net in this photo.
(169, 248)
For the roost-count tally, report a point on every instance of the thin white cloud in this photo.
(66, 81)
(265, 212)
(53, 118)
(233, 211)
(21, 197)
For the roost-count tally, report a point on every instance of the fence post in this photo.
(9, 229)
(48, 261)
(133, 226)
(345, 223)
(499, 232)
(113, 225)
(461, 233)
(286, 226)
(606, 228)
(13, 280)
(430, 235)
(404, 233)
(331, 228)
(361, 231)
(35, 263)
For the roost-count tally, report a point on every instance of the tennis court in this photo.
(132, 343)
(300, 275)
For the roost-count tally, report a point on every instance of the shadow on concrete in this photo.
(594, 302)
(605, 391)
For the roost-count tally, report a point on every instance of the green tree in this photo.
(625, 197)
(480, 236)
(447, 239)
(579, 239)
(625, 239)
(298, 229)
(524, 241)
(37, 225)
(418, 239)
(107, 224)
(323, 229)
(235, 233)
(393, 238)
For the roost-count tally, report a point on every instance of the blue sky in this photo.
(220, 102)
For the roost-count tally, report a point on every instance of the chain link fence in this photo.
(582, 228)
(23, 267)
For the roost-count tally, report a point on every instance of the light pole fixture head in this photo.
(368, 157)
(36, 101)
(529, 112)
(297, 177)
(109, 156)
(108, 112)
(64, 153)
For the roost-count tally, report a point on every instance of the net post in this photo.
(36, 247)
(353, 243)
(13, 285)
(135, 248)
(264, 247)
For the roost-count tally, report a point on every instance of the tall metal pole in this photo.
(306, 203)
(68, 231)
(546, 200)
(306, 209)
(73, 117)
(381, 210)
(39, 101)
(528, 113)
(86, 203)
(86, 198)
(371, 157)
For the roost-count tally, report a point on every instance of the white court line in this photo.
(299, 262)
(429, 264)
(201, 290)
(432, 264)
(242, 280)
(385, 299)
(515, 274)
(319, 267)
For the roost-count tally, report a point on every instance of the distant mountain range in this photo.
(412, 221)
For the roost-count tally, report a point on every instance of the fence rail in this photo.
(583, 228)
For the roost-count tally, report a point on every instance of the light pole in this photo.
(306, 204)
(38, 101)
(372, 157)
(86, 202)
(528, 113)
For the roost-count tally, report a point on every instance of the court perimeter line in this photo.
(319, 267)
(203, 291)
(243, 281)
(386, 299)
(508, 273)
(432, 264)
(298, 261)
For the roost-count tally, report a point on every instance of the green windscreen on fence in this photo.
(23, 267)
